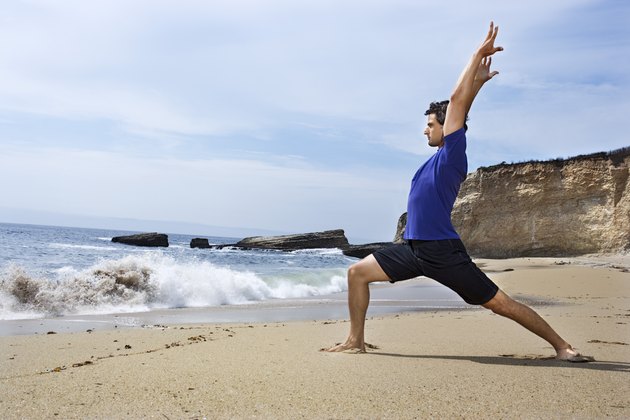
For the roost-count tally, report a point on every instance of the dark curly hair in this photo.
(439, 109)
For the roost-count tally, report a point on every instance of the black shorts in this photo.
(445, 261)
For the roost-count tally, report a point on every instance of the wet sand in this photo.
(429, 363)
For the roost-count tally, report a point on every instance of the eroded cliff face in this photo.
(557, 208)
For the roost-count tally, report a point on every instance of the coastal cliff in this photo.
(556, 208)
(561, 207)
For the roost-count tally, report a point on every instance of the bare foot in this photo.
(347, 347)
(570, 355)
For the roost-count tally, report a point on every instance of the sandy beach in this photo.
(447, 363)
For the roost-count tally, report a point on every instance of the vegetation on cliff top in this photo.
(615, 156)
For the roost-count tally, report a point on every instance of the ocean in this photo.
(52, 272)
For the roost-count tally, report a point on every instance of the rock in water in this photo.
(400, 228)
(326, 239)
(152, 239)
(199, 243)
(362, 251)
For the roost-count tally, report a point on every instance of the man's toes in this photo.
(579, 358)
(571, 355)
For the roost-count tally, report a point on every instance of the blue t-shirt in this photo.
(434, 189)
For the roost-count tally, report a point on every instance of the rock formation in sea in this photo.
(199, 243)
(400, 228)
(362, 251)
(326, 239)
(561, 207)
(152, 239)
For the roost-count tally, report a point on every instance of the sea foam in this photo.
(147, 281)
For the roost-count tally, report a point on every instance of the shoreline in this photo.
(409, 296)
(412, 295)
(437, 363)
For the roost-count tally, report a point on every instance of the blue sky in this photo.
(289, 116)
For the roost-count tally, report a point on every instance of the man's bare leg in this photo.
(504, 305)
(360, 275)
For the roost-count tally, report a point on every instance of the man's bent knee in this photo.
(366, 271)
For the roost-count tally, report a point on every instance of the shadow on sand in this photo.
(516, 360)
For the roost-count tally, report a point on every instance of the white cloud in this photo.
(208, 68)
(218, 192)
(296, 86)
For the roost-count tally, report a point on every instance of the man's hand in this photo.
(487, 47)
(483, 71)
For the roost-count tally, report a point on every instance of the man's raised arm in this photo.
(475, 74)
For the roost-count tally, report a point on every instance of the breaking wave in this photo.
(149, 281)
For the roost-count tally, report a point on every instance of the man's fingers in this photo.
(494, 50)
(492, 32)
(488, 44)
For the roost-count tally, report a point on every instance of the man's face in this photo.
(434, 131)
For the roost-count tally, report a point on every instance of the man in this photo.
(433, 248)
